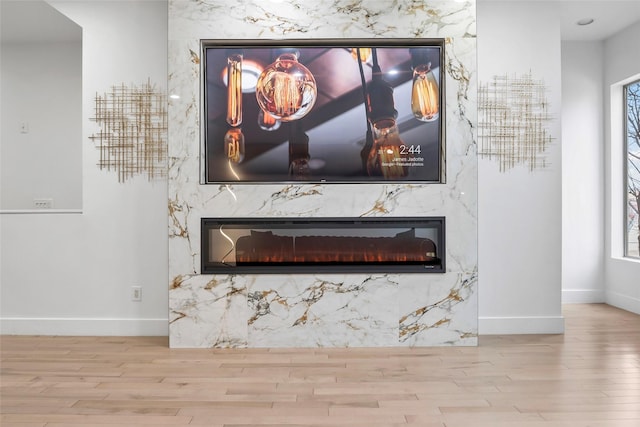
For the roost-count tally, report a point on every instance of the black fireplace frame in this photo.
(437, 224)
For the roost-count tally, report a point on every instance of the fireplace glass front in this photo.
(299, 245)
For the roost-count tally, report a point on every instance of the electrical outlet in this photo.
(136, 293)
(43, 203)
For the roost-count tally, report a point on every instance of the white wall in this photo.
(519, 211)
(582, 172)
(72, 273)
(622, 63)
(42, 90)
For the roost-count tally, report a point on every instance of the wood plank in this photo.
(588, 376)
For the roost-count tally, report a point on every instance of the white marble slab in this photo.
(323, 311)
(319, 310)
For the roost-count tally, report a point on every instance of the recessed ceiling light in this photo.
(585, 21)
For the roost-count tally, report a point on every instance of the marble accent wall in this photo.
(322, 310)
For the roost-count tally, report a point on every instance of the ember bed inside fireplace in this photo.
(301, 245)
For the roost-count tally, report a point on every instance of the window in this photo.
(632, 149)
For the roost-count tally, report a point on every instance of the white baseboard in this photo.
(624, 302)
(582, 296)
(520, 325)
(83, 326)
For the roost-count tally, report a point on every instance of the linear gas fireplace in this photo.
(300, 245)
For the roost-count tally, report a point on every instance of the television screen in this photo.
(316, 111)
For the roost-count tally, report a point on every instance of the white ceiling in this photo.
(28, 21)
(610, 17)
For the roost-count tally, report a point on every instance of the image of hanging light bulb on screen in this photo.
(267, 122)
(298, 152)
(365, 53)
(425, 94)
(234, 145)
(286, 89)
(388, 155)
(234, 89)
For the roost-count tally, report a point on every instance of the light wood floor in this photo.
(590, 376)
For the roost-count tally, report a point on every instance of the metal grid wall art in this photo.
(133, 131)
(513, 114)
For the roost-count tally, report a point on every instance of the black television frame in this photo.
(266, 155)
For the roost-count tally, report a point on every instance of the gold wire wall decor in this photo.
(133, 131)
(513, 115)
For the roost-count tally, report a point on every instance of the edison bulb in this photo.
(234, 89)
(365, 53)
(286, 89)
(234, 145)
(425, 95)
(299, 153)
(267, 122)
(387, 157)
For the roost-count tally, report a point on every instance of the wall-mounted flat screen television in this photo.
(323, 111)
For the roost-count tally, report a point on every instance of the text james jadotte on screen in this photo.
(410, 162)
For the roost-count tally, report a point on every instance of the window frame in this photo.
(626, 172)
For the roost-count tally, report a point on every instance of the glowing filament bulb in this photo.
(365, 53)
(286, 89)
(267, 122)
(234, 89)
(425, 95)
(286, 97)
(387, 157)
(234, 145)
